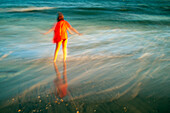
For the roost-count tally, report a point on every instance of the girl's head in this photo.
(60, 17)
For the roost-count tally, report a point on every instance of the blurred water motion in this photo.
(120, 64)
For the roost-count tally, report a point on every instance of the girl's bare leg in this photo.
(64, 46)
(57, 50)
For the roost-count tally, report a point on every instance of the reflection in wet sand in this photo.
(61, 86)
(59, 82)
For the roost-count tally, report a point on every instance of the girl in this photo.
(60, 35)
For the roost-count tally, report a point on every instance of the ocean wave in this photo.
(28, 9)
(141, 22)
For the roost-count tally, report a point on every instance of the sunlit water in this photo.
(119, 64)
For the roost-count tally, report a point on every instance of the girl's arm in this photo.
(70, 31)
(52, 29)
(73, 29)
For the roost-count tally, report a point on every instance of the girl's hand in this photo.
(80, 34)
(43, 33)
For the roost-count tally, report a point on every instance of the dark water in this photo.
(120, 64)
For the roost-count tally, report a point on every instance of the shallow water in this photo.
(119, 64)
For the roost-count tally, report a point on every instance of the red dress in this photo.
(60, 31)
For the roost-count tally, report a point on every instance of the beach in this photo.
(120, 63)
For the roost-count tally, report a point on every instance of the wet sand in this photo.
(84, 84)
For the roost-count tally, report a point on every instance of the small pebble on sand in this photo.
(125, 109)
(61, 100)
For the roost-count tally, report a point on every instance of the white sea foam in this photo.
(27, 9)
(145, 55)
(5, 55)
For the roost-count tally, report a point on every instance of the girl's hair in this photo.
(60, 17)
